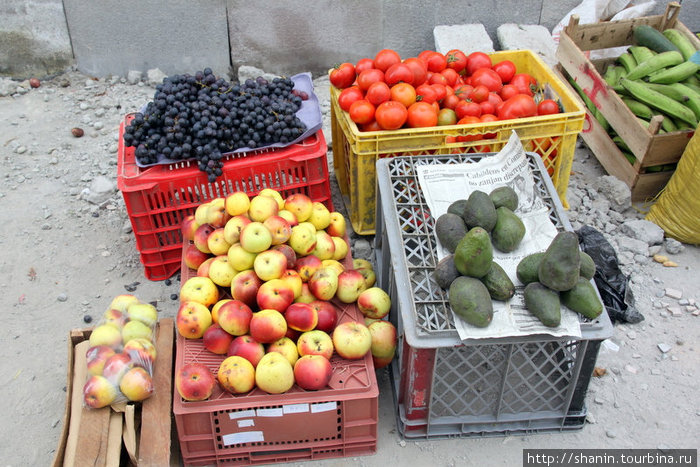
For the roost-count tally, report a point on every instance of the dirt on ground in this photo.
(67, 248)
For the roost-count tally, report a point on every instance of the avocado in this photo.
(504, 196)
(527, 268)
(479, 211)
(587, 268)
(474, 253)
(471, 301)
(508, 231)
(445, 272)
(559, 267)
(498, 283)
(583, 299)
(450, 229)
(543, 303)
(457, 207)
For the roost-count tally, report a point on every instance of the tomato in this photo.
(419, 69)
(440, 91)
(423, 56)
(446, 117)
(437, 78)
(456, 60)
(451, 101)
(426, 93)
(422, 114)
(436, 62)
(343, 75)
(385, 58)
(450, 75)
(362, 111)
(464, 91)
(464, 108)
(348, 96)
(363, 64)
(547, 107)
(404, 93)
(518, 106)
(391, 115)
(479, 94)
(487, 107)
(495, 99)
(469, 120)
(476, 60)
(488, 118)
(487, 77)
(397, 73)
(525, 83)
(505, 69)
(378, 92)
(371, 126)
(508, 91)
(367, 77)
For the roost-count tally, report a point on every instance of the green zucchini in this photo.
(693, 98)
(641, 53)
(675, 74)
(668, 125)
(652, 38)
(669, 91)
(627, 61)
(657, 62)
(640, 109)
(655, 99)
(681, 41)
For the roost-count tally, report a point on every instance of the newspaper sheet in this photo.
(444, 184)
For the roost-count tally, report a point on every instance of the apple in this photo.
(115, 318)
(246, 347)
(308, 226)
(193, 257)
(350, 285)
(97, 356)
(115, 367)
(315, 342)
(255, 237)
(234, 317)
(105, 334)
(232, 229)
(216, 213)
(312, 372)
(270, 264)
(194, 382)
(239, 258)
(302, 240)
(262, 207)
(360, 263)
(369, 275)
(275, 294)
(300, 205)
(352, 340)
(292, 334)
(201, 290)
(271, 192)
(381, 362)
(305, 296)
(320, 216)
(201, 237)
(384, 339)
(221, 272)
(374, 303)
(327, 315)
(98, 392)
(288, 252)
(244, 287)
(341, 248)
(144, 312)
(237, 203)
(325, 246)
(286, 347)
(215, 309)
(192, 319)
(216, 340)
(324, 284)
(236, 375)
(267, 326)
(369, 321)
(336, 225)
(279, 229)
(335, 265)
(293, 279)
(307, 266)
(122, 302)
(188, 227)
(203, 269)
(301, 316)
(142, 352)
(274, 374)
(201, 214)
(136, 384)
(288, 216)
(216, 242)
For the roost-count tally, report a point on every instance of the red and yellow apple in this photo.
(301, 316)
(336, 225)
(324, 284)
(216, 340)
(97, 356)
(215, 309)
(275, 294)
(188, 227)
(221, 271)
(194, 382)
(216, 213)
(201, 290)
(341, 248)
(352, 340)
(272, 193)
(234, 317)
(279, 228)
(239, 258)
(136, 384)
(315, 342)
(115, 318)
(106, 334)
(270, 264)
(288, 253)
(99, 392)
(232, 229)
(320, 216)
(201, 237)
(134, 329)
(122, 302)
(246, 347)
(325, 246)
(384, 341)
(300, 205)
(267, 326)
(255, 237)
(244, 287)
(193, 257)
(312, 372)
(302, 240)
(288, 216)
(142, 352)
(327, 315)
(192, 319)
(350, 285)
(261, 207)
(286, 347)
(374, 303)
(216, 242)
(203, 269)
(306, 266)
(274, 374)
(237, 203)
(293, 279)
(115, 367)
(236, 375)
(305, 296)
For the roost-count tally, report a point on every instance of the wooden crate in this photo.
(140, 433)
(648, 146)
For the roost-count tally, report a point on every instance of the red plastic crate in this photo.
(338, 421)
(158, 198)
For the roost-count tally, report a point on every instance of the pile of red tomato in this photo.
(388, 93)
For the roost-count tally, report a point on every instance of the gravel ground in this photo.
(67, 249)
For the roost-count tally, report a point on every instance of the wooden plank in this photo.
(154, 443)
(114, 441)
(78, 372)
(129, 434)
(649, 185)
(607, 34)
(93, 434)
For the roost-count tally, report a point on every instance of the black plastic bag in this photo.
(611, 282)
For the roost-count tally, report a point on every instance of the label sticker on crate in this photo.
(273, 412)
(241, 414)
(246, 423)
(323, 407)
(295, 408)
(243, 437)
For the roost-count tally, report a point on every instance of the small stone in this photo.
(610, 434)
(690, 308)
(77, 132)
(631, 369)
(98, 125)
(599, 401)
(106, 253)
(673, 293)
(87, 318)
(644, 386)
(696, 313)
(21, 150)
(683, 302)
(632, 335)
(679, 342)
(99, 113)
(673, 246)
(62, 297)
(663, 347)
(134, 76)
(659, 293)
(113, 148)
(615, 370)
(658, 305)
(655, 371)
(691, 301)
(590, 418)
(173, 296)
(636, 355)
(84, 106)
(675, 311)
(168, 282)
(402, 443)
(674, 358)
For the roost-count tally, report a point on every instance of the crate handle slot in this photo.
(670, 16)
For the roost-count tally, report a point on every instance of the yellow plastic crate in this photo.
(552, 136)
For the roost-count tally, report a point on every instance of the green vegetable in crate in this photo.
(590, 105)
(583, 299)
(657, 62)
(543, 303)
(641, 53)
(457, 207)
(450, 229)
(527, 269)
(612, 76)
(674, 74)
(471, 301)
(560, 265)
(508, 231)
(653, 38)
(679, 39)
(504, 196)
(474, 253)
(640, 109)
(479, 211)
(498, 283)
(654, 99)
(587, 268)
(690, 97)
(445, 272)
(627, 61)
(669, 91)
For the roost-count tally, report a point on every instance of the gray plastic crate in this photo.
(445, 387)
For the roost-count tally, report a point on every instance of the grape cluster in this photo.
(201, 116)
